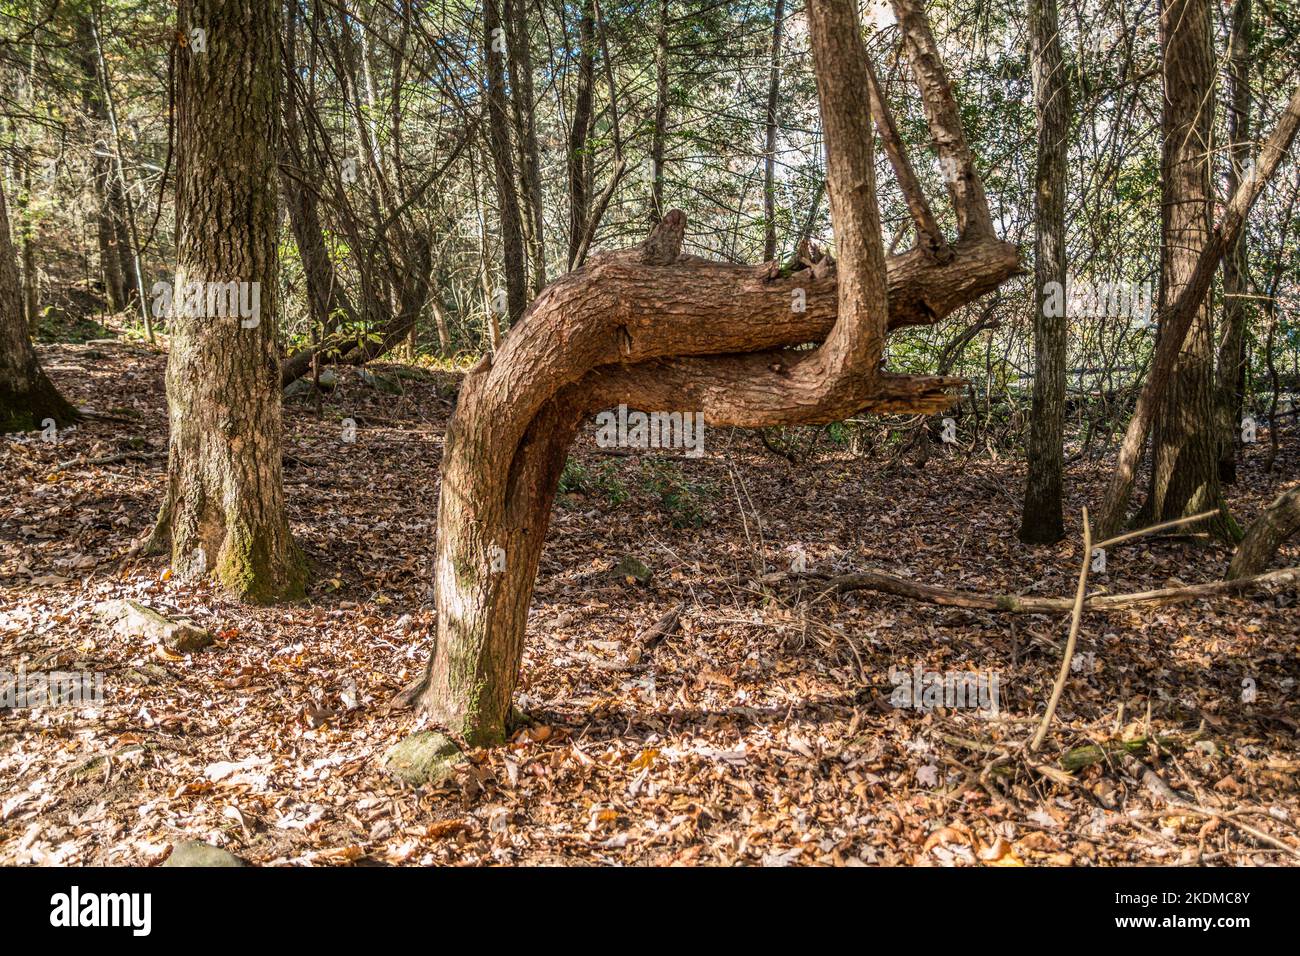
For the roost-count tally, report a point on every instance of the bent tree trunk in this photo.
(1265, 536)
(656, 330)
(224, 508)
(27, 397)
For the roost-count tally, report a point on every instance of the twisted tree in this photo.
(654, 329)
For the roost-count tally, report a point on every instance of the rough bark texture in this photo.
(1231, 384)
(27, 397)
(224, 509)
(657, 330)
(1184, 446)
(1041, 521)
(1265, 536)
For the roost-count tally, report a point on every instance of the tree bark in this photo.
(579, 130)
(27, 397)
(224, 508)
(659, 138)
(1231, 384)
(524, 102)
(1184, 444)
(498, 122)
(769, 150)
(657, 330)
(1041, 520)
(1280, 521)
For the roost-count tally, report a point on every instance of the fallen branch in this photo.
(1028, 604)
(1081, 595)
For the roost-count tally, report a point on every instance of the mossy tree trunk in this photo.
(224, 511)
(28, 399)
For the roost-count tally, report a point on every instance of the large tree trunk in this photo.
(27, 397)
(224, 508)
(1184, 445)
(659, 331)
(1041, 521)
(1280, 521)
(1231, 385)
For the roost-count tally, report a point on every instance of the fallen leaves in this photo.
(693, 719)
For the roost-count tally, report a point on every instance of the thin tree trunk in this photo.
(512, 238)
(659, 138)
(579, 130)
(136, 280)
(1041, 521)
(769, 150)
(224, 508)
(440, 322)
(524, 103)
(108, 219)
(28, 399)
(31, 283)
(1231, 384)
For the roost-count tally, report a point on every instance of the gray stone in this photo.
(380, 383)
(133, 619)
(631, 568)
(191, 853)
(425, 757)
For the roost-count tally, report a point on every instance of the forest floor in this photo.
(760, 732)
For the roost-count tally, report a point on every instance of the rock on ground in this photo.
(133, 619)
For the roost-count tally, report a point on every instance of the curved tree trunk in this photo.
(224, 508)
(659, 331)
(1265, 536)
(1041, 521)
(28, 399)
